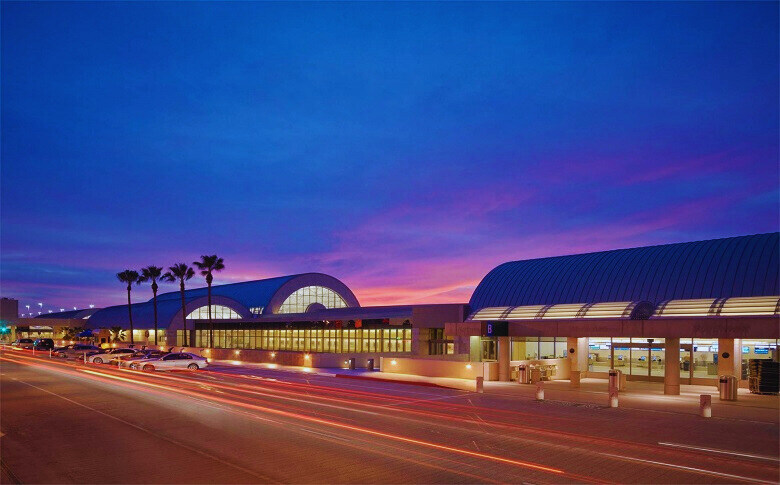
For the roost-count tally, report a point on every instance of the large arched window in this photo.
(302, 299)
(217, 312)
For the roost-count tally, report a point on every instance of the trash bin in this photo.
(351, 363)
(616, 380)
(523, 376)
(727, 385)
(370, 364)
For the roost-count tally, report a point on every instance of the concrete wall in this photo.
(432, 367)
(280, 357)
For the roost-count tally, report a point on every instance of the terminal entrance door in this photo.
(640, 360)
(686, 364)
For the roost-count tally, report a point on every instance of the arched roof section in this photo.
(717, 268)
(309, 279)
(269, 293)
(256, 293)
(168, 312)
(71, 314)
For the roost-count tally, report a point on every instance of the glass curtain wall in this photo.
(633, 356)
(300, 300)
(218, 312)
(309, 339)
(534, 348)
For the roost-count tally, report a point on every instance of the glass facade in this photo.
(439, 343)
(308, 339)
(534, 348)
(633, 356)
(218, 312)
(300, 300)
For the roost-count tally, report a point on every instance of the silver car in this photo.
(75, 351)
(181, 360)
(104, 356)
(23, 343)
(125, 360)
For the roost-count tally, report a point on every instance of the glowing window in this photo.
(217, 312)
(300, 300)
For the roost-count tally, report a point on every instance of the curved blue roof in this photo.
(717, 268)
(255, 293)
(241, 297)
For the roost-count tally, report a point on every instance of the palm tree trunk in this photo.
(186, 342)
(209, 279)
(154, 291)
(130, 314)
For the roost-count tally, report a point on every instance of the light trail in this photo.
(241, 388)
(359, 429)
(724, 452)
(692, 469)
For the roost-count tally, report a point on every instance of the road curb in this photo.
(396, 381)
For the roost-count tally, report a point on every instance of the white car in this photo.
(124, 360)
(103, 356)
(181, 360)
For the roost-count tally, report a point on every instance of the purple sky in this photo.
(406, 149)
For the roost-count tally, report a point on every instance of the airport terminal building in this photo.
(677, 314)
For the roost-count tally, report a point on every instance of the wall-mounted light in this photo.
(468, 366)
(394, 362)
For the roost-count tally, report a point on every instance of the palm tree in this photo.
(117, 334)
(151, 273)
(207, 266)
(129, 276)
(182, 273)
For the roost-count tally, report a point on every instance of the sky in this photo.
(404, 148)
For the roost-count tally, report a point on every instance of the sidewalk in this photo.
(646, 396)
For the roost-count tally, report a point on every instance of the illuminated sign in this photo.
(495, 329)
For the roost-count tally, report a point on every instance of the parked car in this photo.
(181, 360)
(105, 355)
(126, 359)
(75, 351)
(23, 343)
(43, 344)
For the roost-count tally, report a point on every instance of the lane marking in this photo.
(723, 452)
(691, 469)
(152, 433)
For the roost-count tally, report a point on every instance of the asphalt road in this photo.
(66, 422)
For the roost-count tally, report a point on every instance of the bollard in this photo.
(613, 397)
(33, 349)
(480, 384)
(85, 357)
(540, 391)
(50, 353)
(705, 405)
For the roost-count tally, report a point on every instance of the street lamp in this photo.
(40, 305)
(28, 307)
(92, 306)
(62, 309)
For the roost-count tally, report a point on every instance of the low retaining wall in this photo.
(432, 368)
(280, 357)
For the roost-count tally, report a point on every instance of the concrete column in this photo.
(577, 352)
(672, 368)
(504, 353)
(572, 351)
(729, 357)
